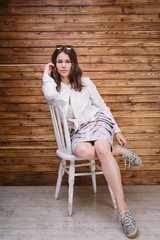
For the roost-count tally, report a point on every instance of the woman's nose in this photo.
(63, 64)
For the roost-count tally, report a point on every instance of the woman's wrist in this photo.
(118, 133)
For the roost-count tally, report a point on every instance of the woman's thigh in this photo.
(85, 150)
(102, 147)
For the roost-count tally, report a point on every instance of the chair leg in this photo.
(59, 180)
(92, 167)
(112, 197)
(71, 187)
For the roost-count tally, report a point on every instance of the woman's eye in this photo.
(61, 62)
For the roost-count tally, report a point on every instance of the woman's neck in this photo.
(65, 80)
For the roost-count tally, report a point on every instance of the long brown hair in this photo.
(75, 73)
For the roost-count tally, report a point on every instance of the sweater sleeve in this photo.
(49, 87)
(99, 102)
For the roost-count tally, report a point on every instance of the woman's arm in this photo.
(49, 85)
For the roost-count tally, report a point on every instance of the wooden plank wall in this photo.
(118, 46)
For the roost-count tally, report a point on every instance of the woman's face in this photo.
(63, 64)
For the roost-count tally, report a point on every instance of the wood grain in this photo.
(118, 47)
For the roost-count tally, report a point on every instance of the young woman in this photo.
(91, 124)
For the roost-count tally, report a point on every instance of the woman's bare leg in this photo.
(111, 172)
(117, 150)
(102, 149)
(89, 149)
(85, 150)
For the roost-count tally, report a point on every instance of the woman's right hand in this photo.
(48, 68)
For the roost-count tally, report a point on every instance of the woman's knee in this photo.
(102, 148)
(86, 151)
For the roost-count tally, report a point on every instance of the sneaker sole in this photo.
(134, 234)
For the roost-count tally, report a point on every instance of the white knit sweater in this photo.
(85, 104)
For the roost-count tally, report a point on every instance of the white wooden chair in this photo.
(57, 109)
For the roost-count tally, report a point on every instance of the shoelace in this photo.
(129, 159)
(127, 220)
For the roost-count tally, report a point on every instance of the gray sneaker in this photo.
(129, 224)
(131, 158)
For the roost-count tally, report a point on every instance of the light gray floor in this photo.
(31, 213)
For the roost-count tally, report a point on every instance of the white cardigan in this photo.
(85, 104)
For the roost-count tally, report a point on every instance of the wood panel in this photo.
(76, 2)
(80, 10)
(78, 19)
(81, 27)
(86, 42)
(118, 47)
(81, 35)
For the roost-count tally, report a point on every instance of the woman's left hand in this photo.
(121, 139)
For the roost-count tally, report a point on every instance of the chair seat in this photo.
(67, 156)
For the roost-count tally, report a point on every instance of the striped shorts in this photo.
(100, 128)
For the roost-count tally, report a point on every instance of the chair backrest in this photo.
(60, 125)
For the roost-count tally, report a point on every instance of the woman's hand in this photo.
(48, 68)
(121, 139)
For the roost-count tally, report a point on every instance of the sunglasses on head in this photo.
(68, 47)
